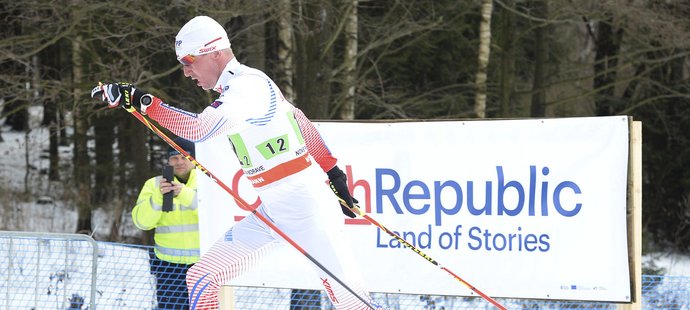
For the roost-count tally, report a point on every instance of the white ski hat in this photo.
(199, 36)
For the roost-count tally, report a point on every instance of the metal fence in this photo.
(64, 271)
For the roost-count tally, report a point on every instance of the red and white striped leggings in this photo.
(305, 209)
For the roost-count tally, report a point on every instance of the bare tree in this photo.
(541, 38)
(370, 59)
(390, 35)
(82, 177)
(608, 42)
(314, 58)
(285, 49)
(347, 109)
(104, 138)
(508, 59)
(483, 58)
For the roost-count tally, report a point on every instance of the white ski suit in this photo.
(270, 138)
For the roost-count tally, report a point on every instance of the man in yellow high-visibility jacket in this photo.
(177, 231)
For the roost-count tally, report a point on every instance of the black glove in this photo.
(121, 94)
(338, 181)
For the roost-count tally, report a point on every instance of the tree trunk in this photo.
(256, 39)
(483, 58)
(134, 159)
(104, 139)
(50, 65)
(27, 162)
(82, 175)
(347, 109)
(605, 66)
(17, 114)
(538, 107)
(315, 64)
(126, 200)
(508, 24)
(50, 111)
(53, 64)
(118, 213)
(285, 66)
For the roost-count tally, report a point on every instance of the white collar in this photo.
(231, 69)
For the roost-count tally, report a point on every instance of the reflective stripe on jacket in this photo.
(177, 231)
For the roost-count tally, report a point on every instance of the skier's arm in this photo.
(323, 156)
(191, 126)
(317, 147)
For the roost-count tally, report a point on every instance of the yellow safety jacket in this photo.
(177, 231)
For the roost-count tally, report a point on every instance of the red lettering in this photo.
(207, 49)
(367, 196)
(236, 188)
(329, 290)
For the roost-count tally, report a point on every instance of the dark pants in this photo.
(171, 287)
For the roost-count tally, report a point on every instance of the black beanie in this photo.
(187, 146)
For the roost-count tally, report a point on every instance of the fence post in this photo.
(634, 216)
(227, 297)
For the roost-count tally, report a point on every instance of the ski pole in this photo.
(358, 210)
(241, 201)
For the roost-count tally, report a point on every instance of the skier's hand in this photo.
(122, 95)
(338, 182)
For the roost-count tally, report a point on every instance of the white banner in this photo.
(517, 208)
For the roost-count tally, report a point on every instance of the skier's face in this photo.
(204, 70)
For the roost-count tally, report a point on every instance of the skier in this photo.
(275, 145)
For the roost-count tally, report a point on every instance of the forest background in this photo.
(349, 60)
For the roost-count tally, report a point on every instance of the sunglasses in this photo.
(204, 49)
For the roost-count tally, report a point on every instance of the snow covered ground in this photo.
(31, 202)
(54, 273)
(673, 264)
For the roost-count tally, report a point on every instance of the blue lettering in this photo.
(470, 199)
(472, 236)
(453, 239)
(544, 194)
(530, 241)
(380, 192)
(532, 188)
(445, 244)
(427, 234)
(438, 207)
(421, 240)
(511, 240)
(407, 196)
(492, 241)
(418, 197)
(378, 239)
(499, 242)
(501, 191)
(557, 199)
(544, 239)
(407, 236)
